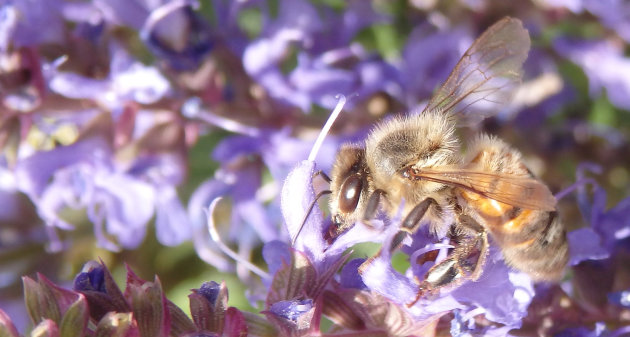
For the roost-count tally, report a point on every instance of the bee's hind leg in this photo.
(465, 262)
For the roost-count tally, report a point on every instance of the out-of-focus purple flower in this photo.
(610, 226)
(317, 77)
(428, 58)
(349, 276)
(130, 13)
(22, 84)
(243, 160)
(177, 34)
(128, 81)
(297, 314)
(21, 20)
(605, 65)
(120, 189)
(585, 244)
(614, 14)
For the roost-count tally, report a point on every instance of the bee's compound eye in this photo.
(350, 192)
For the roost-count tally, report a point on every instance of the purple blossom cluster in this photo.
(105, 104)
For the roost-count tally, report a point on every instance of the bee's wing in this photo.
(519, 191)
(486, 75)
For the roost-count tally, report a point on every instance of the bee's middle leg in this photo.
(411, 222)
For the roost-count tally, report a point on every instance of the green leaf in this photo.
(45, 328)
(180, 322)
(75, 319)
(258, 325)
(40, 302)
(603, 112)
(291, 281)
(149, 308)
(117, 325)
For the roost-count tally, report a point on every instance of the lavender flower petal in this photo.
(350, 277)
(45, 14)
(131, 13)
(585, 244)
(297, 194)
(172, 223)
(604, 64)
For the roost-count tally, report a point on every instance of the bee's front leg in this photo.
(372, 205)
(464, 263)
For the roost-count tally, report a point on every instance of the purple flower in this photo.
(128, 81)
(294, 311)
(429, 57)
(613, 14)
(178, 34)
(604, 64)
(316, 79)
(119, 193)
(25, 31)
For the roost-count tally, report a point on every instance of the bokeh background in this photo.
(121, 120)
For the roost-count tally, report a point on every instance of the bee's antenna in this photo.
(308, 212)
(326, 128)
(323, 175)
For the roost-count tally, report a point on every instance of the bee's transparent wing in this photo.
(486, 75)
(519, 191)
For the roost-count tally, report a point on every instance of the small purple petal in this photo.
(291, 310)
(276, 253)
(140, 83)
(575, 6)
(378, 275)
(620, 298)
(93, 279)
(321, 82)
(124, 12)
(32, 17)
(297, 195)
(350, 277)
(34, 172)
(614, 14)
(210, 290)
(178, 34)
(253, 213)
(604, 64)
(235, 146)
(128, 204)
(428, 59)
(78, 87)
(171, 223)
(502, 293)
(585, 244)
(8, 22)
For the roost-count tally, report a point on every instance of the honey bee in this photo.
(485, 192)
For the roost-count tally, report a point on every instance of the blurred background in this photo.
(121, 120)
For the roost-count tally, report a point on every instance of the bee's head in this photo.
(350, 189)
